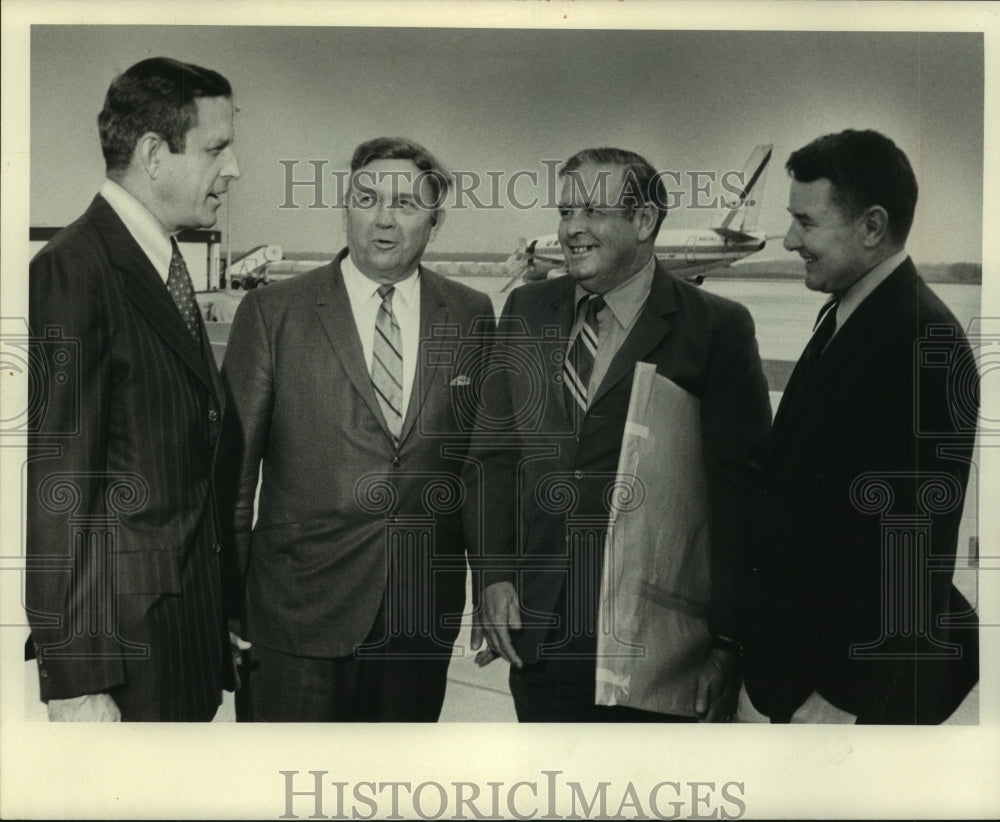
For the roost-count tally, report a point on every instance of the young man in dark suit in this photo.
(854, 616)
(541, 573)
(123, 581)
(349, 390)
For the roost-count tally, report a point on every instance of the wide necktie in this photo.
(182, 292)
(387, 363)
(579, 363)
(826, 324)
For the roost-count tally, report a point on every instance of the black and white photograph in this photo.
(396, 392)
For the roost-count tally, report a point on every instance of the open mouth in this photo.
(384, 245)
(808, 258)
(580, 250)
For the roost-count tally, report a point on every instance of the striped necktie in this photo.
(579, 363)
(387, 363)
(182, 292)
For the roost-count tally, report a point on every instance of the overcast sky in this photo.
(504, 100)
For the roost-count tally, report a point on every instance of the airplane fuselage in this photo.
(677, 249)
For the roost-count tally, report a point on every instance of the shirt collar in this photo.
(142, 225)
(857, 293)
(364, 288)
(626, 299)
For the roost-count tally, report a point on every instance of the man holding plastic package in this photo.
(565, 361)
(348, 393)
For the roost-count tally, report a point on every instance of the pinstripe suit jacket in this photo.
(123, 585)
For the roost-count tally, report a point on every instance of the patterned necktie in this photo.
(387, 363)
(182, 292)
(826, 324)
(579, 363)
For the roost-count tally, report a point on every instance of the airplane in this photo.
(692, 251)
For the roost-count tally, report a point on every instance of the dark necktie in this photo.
(579, 363)
(826, 324)
(387, 363)
(182, 292)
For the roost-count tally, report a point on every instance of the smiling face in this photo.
(603, 242)
(189, 185)
(390, 219)
(831, 242)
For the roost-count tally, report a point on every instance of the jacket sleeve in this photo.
(493, 453)
(248, 377)
(736, 422)
(69, 603)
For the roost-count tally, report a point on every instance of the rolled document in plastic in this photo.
(653, 631)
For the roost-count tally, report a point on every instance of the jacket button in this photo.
(213, 415)
(578, 475)
(217, 547)
(396, 461)
(43, 674)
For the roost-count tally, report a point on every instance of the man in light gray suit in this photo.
(347, 389)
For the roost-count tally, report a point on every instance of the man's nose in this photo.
(385, 215)
(231, 168)
(792, 241)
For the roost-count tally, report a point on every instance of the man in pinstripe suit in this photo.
(123, 585)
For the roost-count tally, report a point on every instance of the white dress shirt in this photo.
(365, 303)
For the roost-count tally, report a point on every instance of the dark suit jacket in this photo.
(122, 435)
(344, 517)
(702, 342)
(877, 403)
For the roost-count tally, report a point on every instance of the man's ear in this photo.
(874, 226)
(149, 149)
(646, 226)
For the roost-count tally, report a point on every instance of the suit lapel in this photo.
(433, 315)
(333, 307)
(650, 329)
(842, 351)
(146, 290)
(563, 308)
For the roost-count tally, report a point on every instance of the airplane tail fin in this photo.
(743, 218)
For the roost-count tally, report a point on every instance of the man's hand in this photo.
(718, 686)
(87, 708)
(237, 645)
(817, 710)
(499, 613)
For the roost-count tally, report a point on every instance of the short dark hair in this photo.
(155, 95)
(642, 185)
(401, 148)
(864, 168)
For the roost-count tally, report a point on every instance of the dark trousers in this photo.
(399, 684)
(562, 690)
(560, 687)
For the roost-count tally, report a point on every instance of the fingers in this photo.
(501, 614)
(702, 697)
